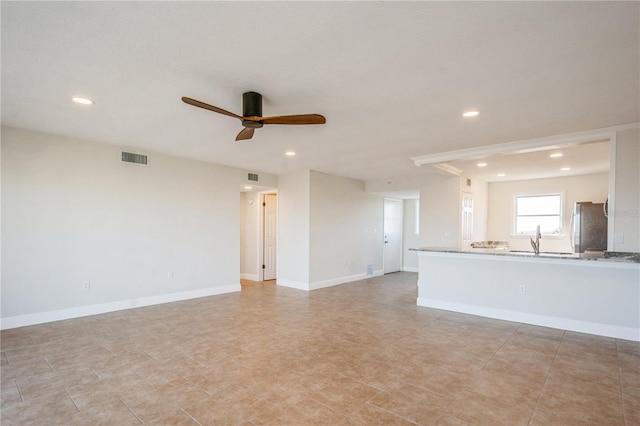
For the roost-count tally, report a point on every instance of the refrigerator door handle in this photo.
(573, 231)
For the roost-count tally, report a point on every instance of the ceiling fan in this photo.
(252, 115)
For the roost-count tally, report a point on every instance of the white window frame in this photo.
(514, 217)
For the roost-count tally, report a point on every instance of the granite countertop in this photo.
(607, 256)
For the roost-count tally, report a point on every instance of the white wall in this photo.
(249, 235)
(440, 212)
(410, 235)
(345, 230)
(575, 188)
(72, 212)
(626, 207)
(293, 229)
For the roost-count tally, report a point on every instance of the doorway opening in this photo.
(392, 251)
(258, 237)
(269, 236)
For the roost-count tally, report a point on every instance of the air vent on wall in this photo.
(253, 177)
(130, 157)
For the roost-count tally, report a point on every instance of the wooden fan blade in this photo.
(293, 119)
(246, 133)
(209, 107)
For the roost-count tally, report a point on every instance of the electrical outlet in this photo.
(618, 238)
(170, 275)
(522, 289)
(86, 285)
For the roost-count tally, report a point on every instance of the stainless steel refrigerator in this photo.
(589, 227)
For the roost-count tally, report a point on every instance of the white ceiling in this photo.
(580, 159)
(391, 78)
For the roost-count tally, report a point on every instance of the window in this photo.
(533, 210)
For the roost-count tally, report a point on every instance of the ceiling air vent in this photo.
(130, 157)
(253, 177)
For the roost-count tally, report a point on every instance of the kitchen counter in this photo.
(603, 258)
(596, 295)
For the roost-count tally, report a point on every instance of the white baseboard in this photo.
(343, 280)
(293, 284)
(337, 281)
(83, 311)
(607, 330)
(250, 277)
(327, 283)
(410, 268)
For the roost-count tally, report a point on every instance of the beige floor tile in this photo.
(56, 381)
(499, 408)
(107, 390)
(108, 414)
(412, 403)
(360, 353)
(450, 420)
(566, 400)
(368, 414)
(343, 395)
(54, 408)
(298, 410)
(231, 406)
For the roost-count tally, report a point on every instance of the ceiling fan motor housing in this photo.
(252, 107)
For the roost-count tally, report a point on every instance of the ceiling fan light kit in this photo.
(252, 115)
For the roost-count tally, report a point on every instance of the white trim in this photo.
(83, 311)
(522, 146)
(293, 284)
(410, 268)
(612, 192)
(447, 168)
(599, 329)
(342, 280)
(327, 283)
(249, 277)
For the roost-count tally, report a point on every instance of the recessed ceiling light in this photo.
(248, 187)
(481, 164)
(470, 113)
(290, 153)
(556, 155)
(501, 174)
(82, 101)
(564, 169)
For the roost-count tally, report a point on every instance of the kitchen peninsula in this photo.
(578, 293)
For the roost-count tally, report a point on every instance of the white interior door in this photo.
(270, 231)
(467, 220)
(392, 235)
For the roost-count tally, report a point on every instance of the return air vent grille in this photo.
(253, 177)
(130, 157)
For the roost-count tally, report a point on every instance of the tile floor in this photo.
(359, 353)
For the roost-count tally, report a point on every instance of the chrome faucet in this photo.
(536, 244)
